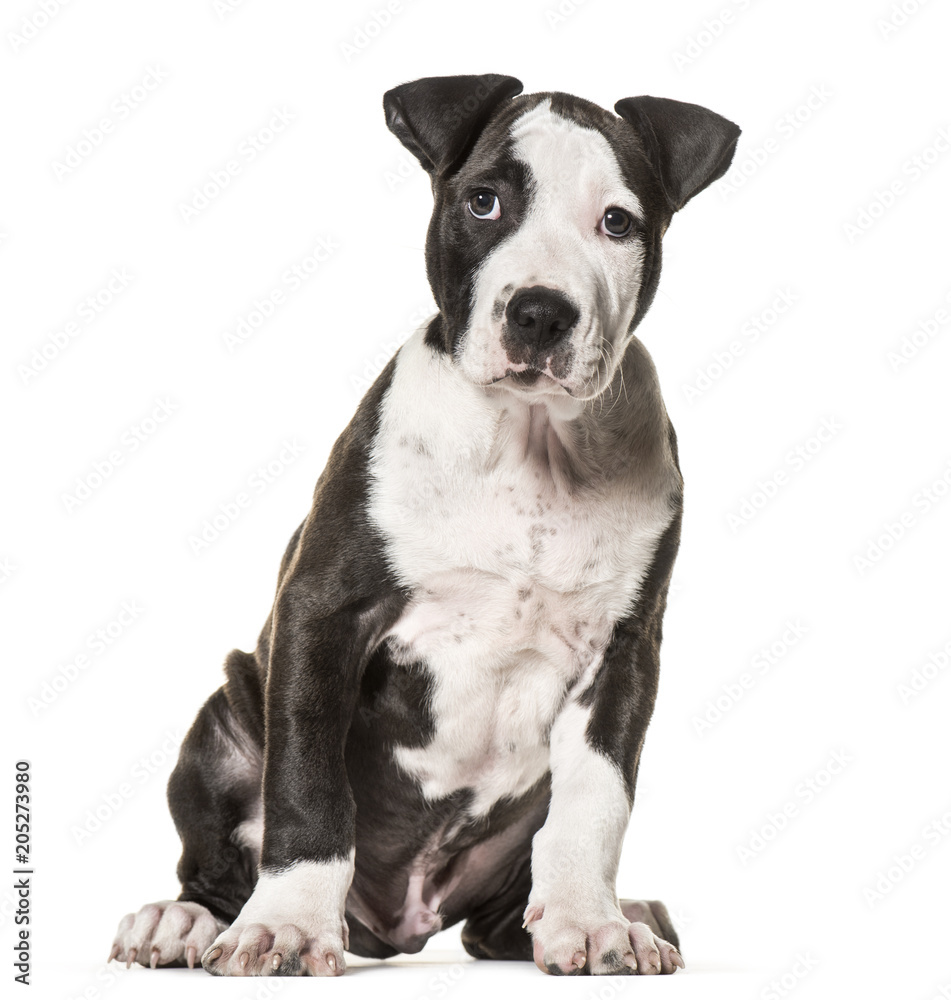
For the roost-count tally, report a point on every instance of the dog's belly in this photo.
(451, 872)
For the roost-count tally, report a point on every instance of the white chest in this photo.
(518, 571)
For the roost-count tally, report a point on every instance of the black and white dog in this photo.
(443, 717)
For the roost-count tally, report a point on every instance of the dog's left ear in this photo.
(439, 118)
(688, 146)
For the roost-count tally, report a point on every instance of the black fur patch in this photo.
(624, 689)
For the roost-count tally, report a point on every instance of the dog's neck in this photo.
(620, 436)
(572, 442)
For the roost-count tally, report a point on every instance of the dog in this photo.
(443, 717)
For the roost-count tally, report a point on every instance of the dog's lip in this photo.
(526, 378)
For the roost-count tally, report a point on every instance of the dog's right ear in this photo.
(439, 118)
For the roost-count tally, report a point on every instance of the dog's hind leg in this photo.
(214, 795)
(652, 934)
(654, 914)
(496, 929)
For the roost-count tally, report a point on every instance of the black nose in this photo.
(540, 316)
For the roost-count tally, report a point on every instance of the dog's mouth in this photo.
(530, 378)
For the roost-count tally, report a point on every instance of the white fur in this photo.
(250, 832)
(164, 933)
(573, 912)
(297, 910)
(520, 555)
(576, 853)
(576, 178)
(307, 893)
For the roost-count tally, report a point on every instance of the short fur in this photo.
(449, 698)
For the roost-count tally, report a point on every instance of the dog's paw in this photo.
(604, 943)
(293, 925)
(258, 949)
(166, 933)
(654, 954)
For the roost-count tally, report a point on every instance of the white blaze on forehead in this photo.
(575, 172)
(574, 177)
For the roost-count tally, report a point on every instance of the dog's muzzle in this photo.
(537, 333)
(537, 320)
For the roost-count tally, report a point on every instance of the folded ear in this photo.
(439, 118)
(688, 146)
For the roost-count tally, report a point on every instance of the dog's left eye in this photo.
(485, 205)
(616, 222)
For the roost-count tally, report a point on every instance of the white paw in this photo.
(293, 925)
(165, 933)
(599, 943)
(258, 949)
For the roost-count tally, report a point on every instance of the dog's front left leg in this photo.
(573, 914)
(294, 924)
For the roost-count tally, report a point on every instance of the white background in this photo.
(880, 99)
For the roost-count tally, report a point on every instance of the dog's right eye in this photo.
(485, 205)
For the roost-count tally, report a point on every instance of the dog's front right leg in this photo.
(294, 924)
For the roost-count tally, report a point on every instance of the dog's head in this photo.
(543, 251)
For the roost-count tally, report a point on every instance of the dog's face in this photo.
(544, 246)
(538, 248)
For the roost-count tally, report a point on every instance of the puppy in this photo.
(444, 714)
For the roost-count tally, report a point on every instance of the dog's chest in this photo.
(517, 570)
